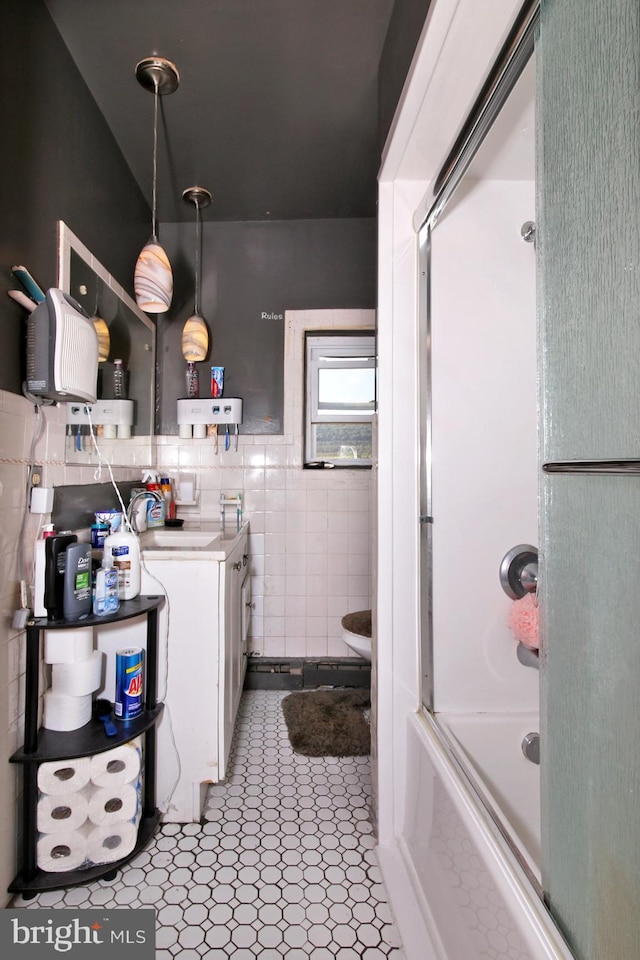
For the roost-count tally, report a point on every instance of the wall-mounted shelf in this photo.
(196, 416)
(222, 410)
(115, 416)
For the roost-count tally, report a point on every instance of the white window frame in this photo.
(332, 350)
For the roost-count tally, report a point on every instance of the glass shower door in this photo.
(588, 174)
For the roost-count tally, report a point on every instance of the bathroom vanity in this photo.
(203, 569)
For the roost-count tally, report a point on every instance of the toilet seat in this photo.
(356, 632)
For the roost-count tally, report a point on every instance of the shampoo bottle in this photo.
(77, 581)
(106, 600)
(124, 551)
(55, 555)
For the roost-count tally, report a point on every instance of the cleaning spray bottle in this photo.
(156, 503)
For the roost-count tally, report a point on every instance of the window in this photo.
(340, 380)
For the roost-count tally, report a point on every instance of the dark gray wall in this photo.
(276, 112)
(250, 269)
(58, 161)
(407, 20)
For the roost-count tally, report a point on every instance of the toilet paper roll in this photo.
(62, 813)
(68, 646)
(111, 842)
(78, 678)
(62, 712)
(115, 767)
(58, 777)
(109, 805)
(58, 852)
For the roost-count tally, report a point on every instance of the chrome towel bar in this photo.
(607, 467)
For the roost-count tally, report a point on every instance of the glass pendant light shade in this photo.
(153, 278)
(195, 334)
(195, 339)
(104, 340)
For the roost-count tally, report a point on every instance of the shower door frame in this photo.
(501, 79)
(505, 72)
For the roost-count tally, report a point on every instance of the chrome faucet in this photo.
(141, 494)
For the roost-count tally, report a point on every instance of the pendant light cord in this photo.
(196, 306)
(155, 156)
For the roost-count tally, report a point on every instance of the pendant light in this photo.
(101, 328)
(153, 279)
(104, 339)
(195, 335)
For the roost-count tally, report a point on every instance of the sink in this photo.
(163, 537)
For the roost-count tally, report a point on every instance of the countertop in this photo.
(196, 540)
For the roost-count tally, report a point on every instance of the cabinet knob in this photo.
(236, 566)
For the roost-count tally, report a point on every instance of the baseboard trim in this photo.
(282, 673)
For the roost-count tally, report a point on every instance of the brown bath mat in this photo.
(328, 723)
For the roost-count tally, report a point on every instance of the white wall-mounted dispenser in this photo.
(195, 415)
(115, 416)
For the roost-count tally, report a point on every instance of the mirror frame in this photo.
(68, 242)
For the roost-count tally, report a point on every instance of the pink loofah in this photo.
(523, 620)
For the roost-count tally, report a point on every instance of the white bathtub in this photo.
(478, 898)
(490, 746)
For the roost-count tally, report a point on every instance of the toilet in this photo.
(356, 632)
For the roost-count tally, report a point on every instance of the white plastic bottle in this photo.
(106, 600)
(124, 550)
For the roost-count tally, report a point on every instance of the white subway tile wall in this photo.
(18, 425)
(310, 530)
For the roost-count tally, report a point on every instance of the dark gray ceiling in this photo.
(276, 113)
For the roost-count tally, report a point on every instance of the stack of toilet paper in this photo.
(76, 672)
(89, 809)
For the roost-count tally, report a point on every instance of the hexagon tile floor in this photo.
(283, 864)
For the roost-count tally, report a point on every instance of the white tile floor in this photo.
(283, 865)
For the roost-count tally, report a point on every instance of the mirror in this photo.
(132, 339)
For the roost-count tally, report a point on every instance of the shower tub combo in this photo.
(474, 779)
(471, 837)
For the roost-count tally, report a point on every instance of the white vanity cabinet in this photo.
(234, 626)
(202, 637)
